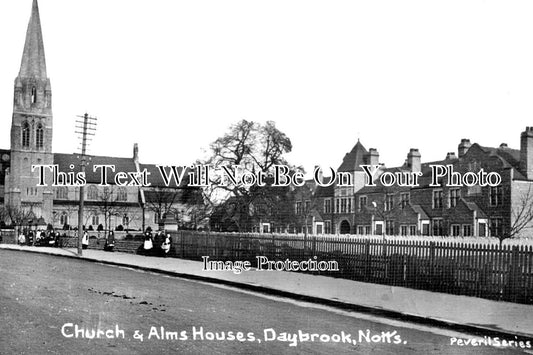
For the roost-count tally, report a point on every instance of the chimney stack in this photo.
(413, 160)
(450, 156)
(373, 156)
(463, 147)
(135, 152)
(526, 153)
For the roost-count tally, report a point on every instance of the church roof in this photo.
(121, 164)
(33, 64)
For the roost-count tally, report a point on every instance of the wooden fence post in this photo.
(514, 276)
(367, 260)
(431, 262)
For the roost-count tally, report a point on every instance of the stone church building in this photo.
(27, 204)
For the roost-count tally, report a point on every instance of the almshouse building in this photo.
(457, 207)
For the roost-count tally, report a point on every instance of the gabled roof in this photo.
(472, 206)
(93, 177)
(418, 209)
(353, 159)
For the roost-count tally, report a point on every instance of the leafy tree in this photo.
(252, 148)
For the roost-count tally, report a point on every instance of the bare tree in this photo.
(162, 201)
(521, 216)
(16, 215)
(109, 205)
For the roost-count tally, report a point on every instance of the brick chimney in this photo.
(373, 156)
(463, 147)
(450, 156)
(413, 160)
(526, 153)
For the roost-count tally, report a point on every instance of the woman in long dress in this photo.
(148, 244)
(85, 241)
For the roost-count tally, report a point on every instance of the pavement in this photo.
(474, 315)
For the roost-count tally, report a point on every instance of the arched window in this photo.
(39, 136)
(63, 219)
(25, 134)
(92, 193)
(33, 95)
(122, 194)
(61, 193)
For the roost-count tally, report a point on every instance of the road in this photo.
(44, 299)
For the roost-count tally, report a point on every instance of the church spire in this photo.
(33, 63)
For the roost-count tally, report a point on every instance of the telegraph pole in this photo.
(85, 129)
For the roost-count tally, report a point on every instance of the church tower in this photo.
(31, 127)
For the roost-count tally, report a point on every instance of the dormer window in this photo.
(33, 95)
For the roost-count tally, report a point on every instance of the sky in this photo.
(173, 75)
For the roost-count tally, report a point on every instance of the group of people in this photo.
(48, 238)
(109, 241)
(156, 246)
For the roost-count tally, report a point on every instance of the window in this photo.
(33, 95)
(349, 205)
(327, 206)
(327, 227)
(39, 136)
(425, 228)
(496, 196)
(95, 220)
(389, 227)
(319, 228)
(337, 203)
(408, 229)
(156, 217)
(456, 230)
(496, 227)
(63, 219)
(368, 230)
(343, 205)
(482, 229)
(61, 193)
(307, 206)
(361, 230)
(467, 230)
(405, 197)
(379, 229)
(92, 193)
(122, 194)
(125, 219)
(455, 194)
(25, 134)
(362, 202)
(299, 207)
(437, 199)
(438, 226)
(389, 202)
